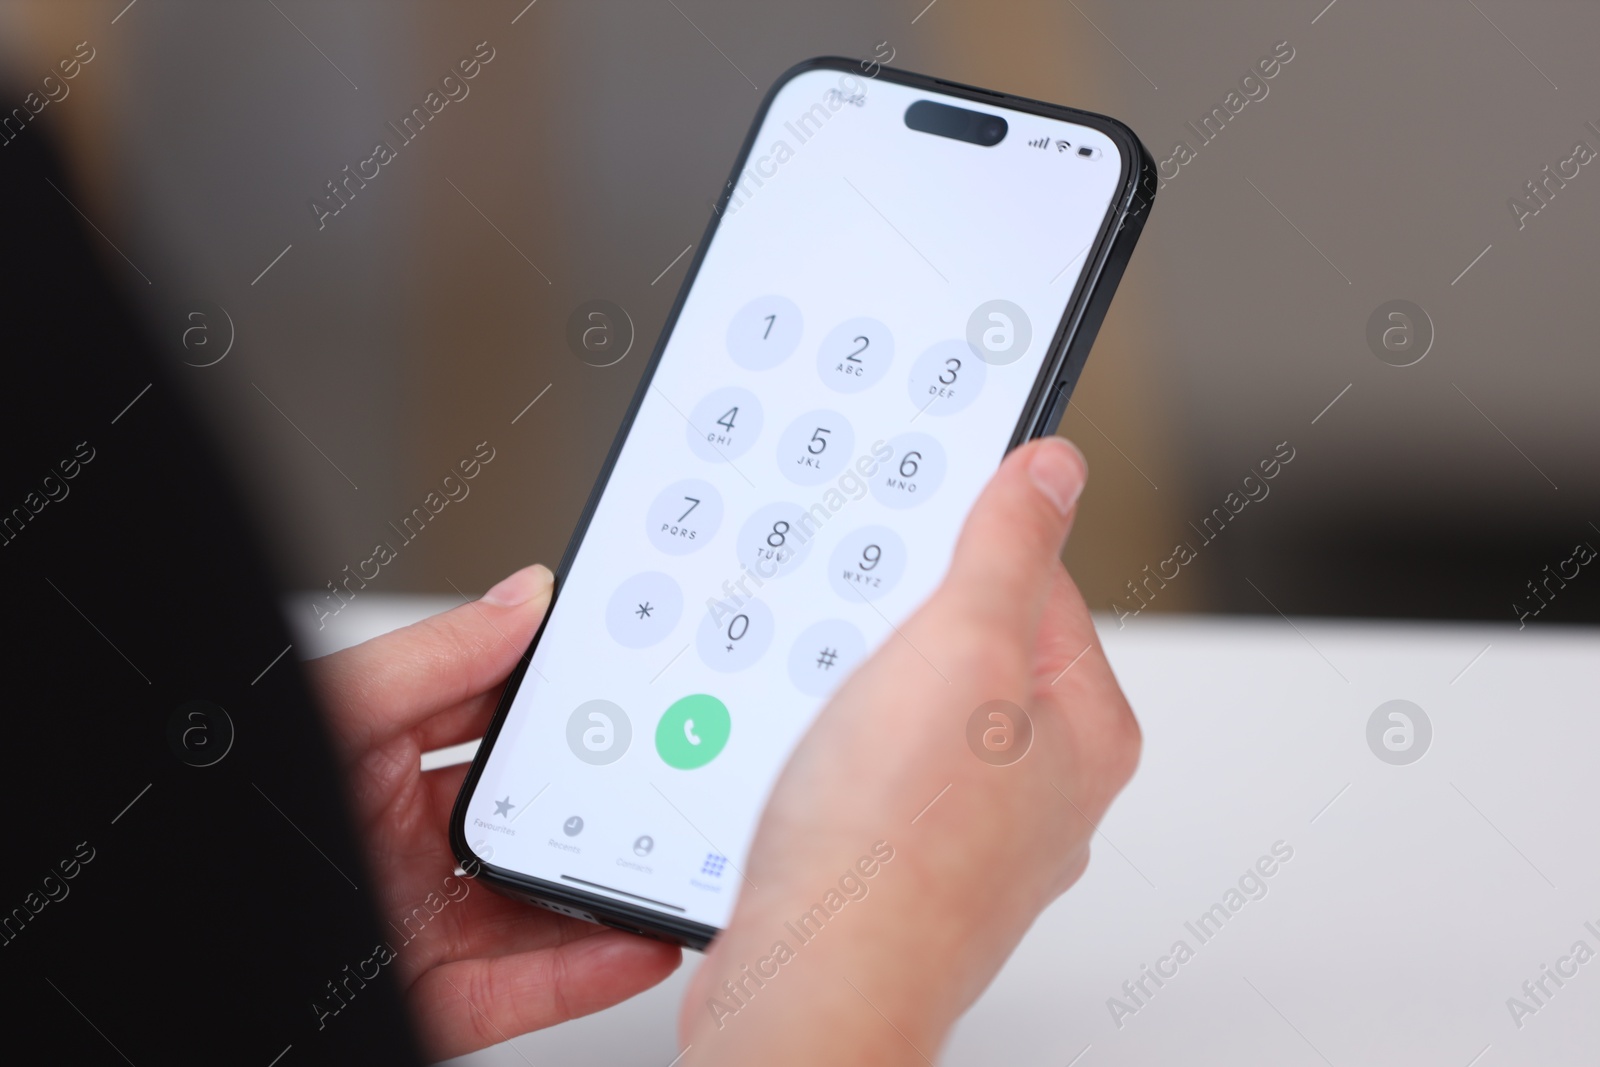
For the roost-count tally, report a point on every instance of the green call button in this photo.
(693, 732)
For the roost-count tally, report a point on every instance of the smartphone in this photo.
(899, 284)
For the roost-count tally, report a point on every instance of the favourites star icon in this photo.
(503, 807)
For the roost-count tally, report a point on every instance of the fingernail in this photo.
(520, 588)
(1059, 470)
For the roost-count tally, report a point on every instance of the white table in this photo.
(1418, 900)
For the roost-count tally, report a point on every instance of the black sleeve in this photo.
(159, 904)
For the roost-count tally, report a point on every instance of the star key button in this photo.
(644, 609)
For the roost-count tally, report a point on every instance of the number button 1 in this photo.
(764, 332)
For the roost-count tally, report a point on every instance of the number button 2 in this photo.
(855, 355)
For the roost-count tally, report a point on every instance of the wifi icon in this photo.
(1043, 142)
(1062, 146)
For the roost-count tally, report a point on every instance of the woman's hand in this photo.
(914, 836)
(482, 968)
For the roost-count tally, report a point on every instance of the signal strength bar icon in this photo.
(1043, 142)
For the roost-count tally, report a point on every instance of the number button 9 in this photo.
(867, 564)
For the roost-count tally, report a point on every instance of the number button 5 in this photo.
(816, 447)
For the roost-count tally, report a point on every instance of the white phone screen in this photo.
(845, 374)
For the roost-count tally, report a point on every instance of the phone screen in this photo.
(847, 369)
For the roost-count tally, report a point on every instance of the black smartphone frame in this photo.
(1046, 403)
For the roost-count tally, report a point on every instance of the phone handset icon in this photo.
(693, 731)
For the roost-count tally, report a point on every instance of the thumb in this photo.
(394, 682)
(1004, 564)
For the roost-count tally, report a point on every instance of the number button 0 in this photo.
(733, 635)
(816, 447)
(946, 378)
(855, 355)
(776, 539)
(764, 332)
(684, 516)
(913, 473)
(724, 425)
(867, 564)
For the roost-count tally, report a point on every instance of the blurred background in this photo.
(367, 352)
